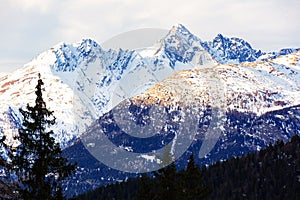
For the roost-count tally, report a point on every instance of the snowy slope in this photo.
(236, 50)
(257, 87)
(261, 105)
(2, 74)
(184, 97)
(281, 52)
(82, 79)
(231, 50)
(259, 92)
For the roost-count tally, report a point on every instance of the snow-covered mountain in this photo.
(81, 74)
(257, 91)
(261, 105)
(184, 97)
(231, 50)
(236, 50)
(282, 52)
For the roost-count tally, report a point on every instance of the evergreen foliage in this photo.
(37, 160)
(268, 174)
(166, 183)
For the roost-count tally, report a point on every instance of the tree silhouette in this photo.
(37, 160)
(166, 183)
(192, 184)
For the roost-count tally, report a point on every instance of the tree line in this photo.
(271, 173)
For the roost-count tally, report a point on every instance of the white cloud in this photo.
(29, 27)
(43, 6)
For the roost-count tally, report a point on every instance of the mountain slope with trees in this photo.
(270, 173)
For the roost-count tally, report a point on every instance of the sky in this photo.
(29, 27)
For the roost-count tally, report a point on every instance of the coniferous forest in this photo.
(271, 173)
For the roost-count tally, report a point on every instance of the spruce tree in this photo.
(37, 160)
(192, 181)
(165, 184)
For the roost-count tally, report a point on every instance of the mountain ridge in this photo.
(64, 63)
(84, 83)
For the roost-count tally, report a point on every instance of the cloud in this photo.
(29, 27)
(102, 19)
(25, 33)
(33, 5)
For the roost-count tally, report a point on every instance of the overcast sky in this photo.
(29, 27)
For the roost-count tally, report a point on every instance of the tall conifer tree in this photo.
(37, 160)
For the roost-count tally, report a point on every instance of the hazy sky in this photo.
(29, 27)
